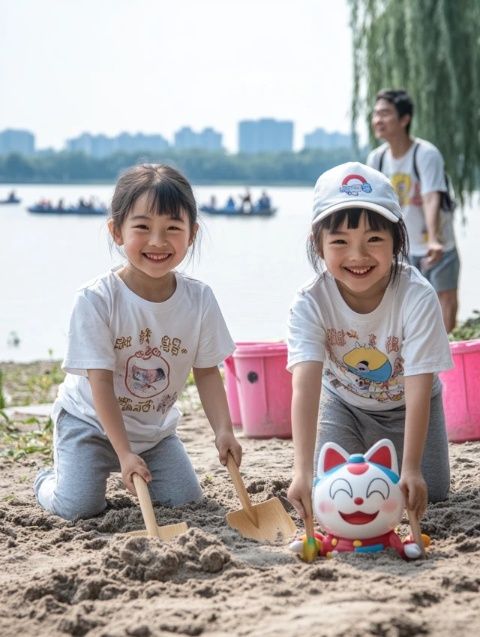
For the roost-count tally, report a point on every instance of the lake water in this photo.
(253, 265)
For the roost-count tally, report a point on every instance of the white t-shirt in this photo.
(409, 189)
(366, 356)
(149, 347)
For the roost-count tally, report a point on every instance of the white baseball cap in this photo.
(354, 185)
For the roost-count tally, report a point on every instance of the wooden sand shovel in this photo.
(416, 532)
(165, 532)
(265, 521)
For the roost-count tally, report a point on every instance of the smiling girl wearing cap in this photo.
(366, 340)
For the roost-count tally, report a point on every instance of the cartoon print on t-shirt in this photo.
(402, 184)
(147, 373)
(368, 363)
(364, 370)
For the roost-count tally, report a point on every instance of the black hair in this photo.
(168, 191)
(375, 222)
(400, 99)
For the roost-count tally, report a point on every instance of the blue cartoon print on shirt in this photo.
(368, 363)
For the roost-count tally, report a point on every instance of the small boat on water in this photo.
(229, 212)
(68, 210)
(11, 199)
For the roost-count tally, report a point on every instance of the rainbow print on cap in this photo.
(359, 185)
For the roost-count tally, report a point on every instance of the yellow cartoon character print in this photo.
(368, 363)
(402, 184)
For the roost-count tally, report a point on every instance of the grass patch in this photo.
(23, 384)
(468, 330)
(29, 383)
(21, 438)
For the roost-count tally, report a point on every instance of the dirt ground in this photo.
(86, 578)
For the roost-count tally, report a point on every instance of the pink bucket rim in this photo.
(465, 347)
(264, 348)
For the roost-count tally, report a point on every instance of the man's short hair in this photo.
(400, 99)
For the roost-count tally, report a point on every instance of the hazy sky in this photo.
(106, 66)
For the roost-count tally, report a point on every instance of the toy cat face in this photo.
(358, 496)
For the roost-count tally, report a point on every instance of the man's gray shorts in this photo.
(443, 275)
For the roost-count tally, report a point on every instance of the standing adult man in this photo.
(416, 170)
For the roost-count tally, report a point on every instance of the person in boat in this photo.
(230, 205)
(44, 203)
(12, 196)
(264, 203)
(246, 202)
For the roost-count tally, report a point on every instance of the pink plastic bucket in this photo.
(461, 392)
(232, 393)
(231, 383)
(264, 389)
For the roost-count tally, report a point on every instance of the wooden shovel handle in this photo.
(310, 549)
(416, 532)
(145, 505)
(309, 529)
(240, 489)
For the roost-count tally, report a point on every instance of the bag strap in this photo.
(415, 167)
(380, 160)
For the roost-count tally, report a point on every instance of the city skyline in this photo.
(152, 65)
(254, 136)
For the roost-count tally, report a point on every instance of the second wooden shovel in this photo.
(309, 549)
(265, 521)
(416, 532)
(165, 532)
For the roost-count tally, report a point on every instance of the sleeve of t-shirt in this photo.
(431, 170)
(215, 342)
(90, 343)
(425, 346)
(305, 332)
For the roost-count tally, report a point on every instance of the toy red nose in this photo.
(358, 500)
(357, 469)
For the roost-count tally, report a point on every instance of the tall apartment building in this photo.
(125, 142)
(17, 141)
(265, 136)
(207, 139)
(319, 138)
(102, 146)
(93, 145)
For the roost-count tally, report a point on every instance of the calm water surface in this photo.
(253, 265)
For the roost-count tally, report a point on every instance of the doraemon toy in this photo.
(358, 502)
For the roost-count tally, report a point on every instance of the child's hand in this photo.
(300, 495)
(225, 441)
(415, 490)
(130, 463)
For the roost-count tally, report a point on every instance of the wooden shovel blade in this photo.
(274, 523)
(166, 532)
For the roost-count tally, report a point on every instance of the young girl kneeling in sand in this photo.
(367, 334)
(135, 334)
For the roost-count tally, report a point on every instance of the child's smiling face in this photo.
(360, 259)
(154, 244)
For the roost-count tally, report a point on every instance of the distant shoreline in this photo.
(101, 182)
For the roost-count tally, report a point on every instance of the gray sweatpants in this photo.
(356, 430)
(83, 460)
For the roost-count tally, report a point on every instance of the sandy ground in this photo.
(86, 578)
